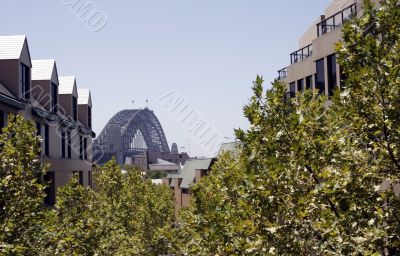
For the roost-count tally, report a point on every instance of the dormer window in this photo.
(24, 81)
(75, 108)
(54, 98)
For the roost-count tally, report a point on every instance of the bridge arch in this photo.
(130, 132)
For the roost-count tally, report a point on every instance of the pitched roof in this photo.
(231, 147)
(11, 47)
(67, 84)
(84, 97)
(189, 170)
(42, 69)
(6, 92)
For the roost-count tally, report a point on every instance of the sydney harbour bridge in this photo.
(129, 133)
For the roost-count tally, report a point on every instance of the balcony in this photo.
(336, 20)
(301, 54)
(282, 73)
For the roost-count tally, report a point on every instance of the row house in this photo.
(61, 112)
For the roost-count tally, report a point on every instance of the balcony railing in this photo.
(336, 20)
(282, 73)
(301, 54)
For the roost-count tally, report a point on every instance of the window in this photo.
(300, 85)
(90, 177)
(46, 140)
(80, 147)
(63, 144)
(80, 176)
(85, 145)
(332, 78)
(2, 120)
(24, 81)
(75, 108)
(39, 133)
(185, 191)
(69, 146)
(90, 117)
(54, 97)
(38, 129)
(309, 82)
(292, 90)
(320, 76)
(50, 190)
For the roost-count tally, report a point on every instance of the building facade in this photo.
(62, 114)
(194, 169)
(314, 65)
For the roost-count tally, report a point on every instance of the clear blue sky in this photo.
(208, 50)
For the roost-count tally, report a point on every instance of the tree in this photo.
(75, 224)
(22, 214)
(123, 215)
(369, 58)
(312, 178)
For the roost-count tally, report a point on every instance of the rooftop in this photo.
(42, 69)
(11, 47)
(84, 97)
(67, 84)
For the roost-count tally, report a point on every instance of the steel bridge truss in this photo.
(129, 132)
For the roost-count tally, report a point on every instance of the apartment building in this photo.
(314, 65)
(62, 114)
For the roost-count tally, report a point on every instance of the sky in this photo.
(135, 53)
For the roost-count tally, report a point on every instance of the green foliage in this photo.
(21, 189)
(315, 176)
(156, 174)
(125, 215)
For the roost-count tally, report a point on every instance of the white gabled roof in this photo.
(84, 97)
(11, 47)
(67, 85)
(43, 69)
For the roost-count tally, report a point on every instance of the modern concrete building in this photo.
(33, 89)
(314, 65)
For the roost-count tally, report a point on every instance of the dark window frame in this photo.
(300, 85)
(292, 89)
(50, 190)
(46, 140)
(85, 148)
(90, 117)
(75, 108)
(3, 120)
(309, 81)
(54, 98)
(332, 73)
(69, 145)
(63, 144)
(81, 154)
(24, 81)
(320, 76)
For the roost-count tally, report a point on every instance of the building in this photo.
(180, 179)
(62, 114)
(314, 65)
